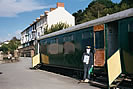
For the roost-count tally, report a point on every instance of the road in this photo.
(19, 76)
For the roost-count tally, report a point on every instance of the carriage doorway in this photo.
(99, 58)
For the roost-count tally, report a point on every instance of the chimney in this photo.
(37, 19)
(41, 16)
(51, 9)
(46, 12)
(59, 4)
(34, 22)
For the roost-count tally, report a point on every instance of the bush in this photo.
(56, 27)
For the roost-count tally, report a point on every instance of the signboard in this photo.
(98, 27)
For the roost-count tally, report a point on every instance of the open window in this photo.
(99, 39)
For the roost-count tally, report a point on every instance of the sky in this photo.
(16, 15)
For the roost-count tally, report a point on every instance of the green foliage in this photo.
(106, 3)
(4, 48)
(79, 16)
(13, 45)
(100, 8)
(97, 9)
(56, 27)
(129, 2)
(124, 6)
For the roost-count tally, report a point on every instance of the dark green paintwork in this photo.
(72, 59)
(124, 42)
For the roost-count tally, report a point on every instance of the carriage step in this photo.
(113, 85)
(36, 67)
(95, 83)
(119, 80)
(104, 79)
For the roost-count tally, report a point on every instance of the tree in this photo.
(87, 17)
(124, 6)
(13, 45)
(4, 48)
(99, 8)
(78, 16)
(106, 3)
(127, 1)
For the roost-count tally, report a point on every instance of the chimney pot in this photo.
(46, 12)
(51, 9)
(37, 19)
(59, 4)
(41, 16)
(33, 22)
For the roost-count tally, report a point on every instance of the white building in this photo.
(41, 24)
(29, 34)
(6, 42)
(54, 16)
(60, 15)
(36, 29)
(0, 45)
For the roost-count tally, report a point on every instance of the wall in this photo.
(1, 56)
(60, 15)
(40, 27)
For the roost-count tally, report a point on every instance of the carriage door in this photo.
(99, 59)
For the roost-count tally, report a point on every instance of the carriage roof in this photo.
(102, 20)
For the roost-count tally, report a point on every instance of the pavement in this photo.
(18, 76)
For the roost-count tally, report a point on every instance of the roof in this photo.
(102, 20)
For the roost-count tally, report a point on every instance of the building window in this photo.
(39, 34)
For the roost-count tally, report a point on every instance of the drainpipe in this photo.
(38, 47)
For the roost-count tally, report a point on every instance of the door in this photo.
(99, 58)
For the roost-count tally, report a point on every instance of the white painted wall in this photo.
(60, 15)
(23, 38)
(40, 26)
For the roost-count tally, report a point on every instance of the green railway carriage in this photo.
(65, 50)
(111, 37)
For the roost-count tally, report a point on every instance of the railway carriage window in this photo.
(55, 40)
(130, 36)
(99, 39)
(68, 38)
(86, 35)
(45, 42)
